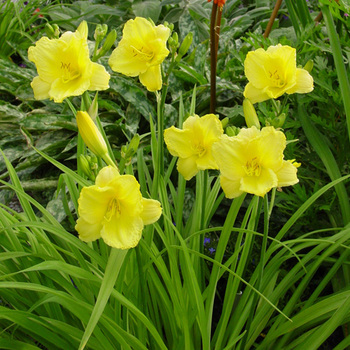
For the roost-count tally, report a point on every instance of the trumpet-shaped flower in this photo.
(273, 72)
(113, 209)
(193, 144)
(253, 162)
(141, 51)
(64, 67)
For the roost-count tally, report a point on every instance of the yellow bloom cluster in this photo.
(251, 162)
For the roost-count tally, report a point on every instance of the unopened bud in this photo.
(52, 31)
(93, 109)
(100, 32)
(91, 135)
(85, 166)
(134, 145)
(109, 42)
(224, 122)
(250, 115)
(185, 44)
(309, 65)
(232, 130)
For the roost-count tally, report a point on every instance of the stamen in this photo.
(252, 168)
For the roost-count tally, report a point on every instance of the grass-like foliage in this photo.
(174, 175)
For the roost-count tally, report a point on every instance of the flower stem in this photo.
(213, 58)
(272, 18)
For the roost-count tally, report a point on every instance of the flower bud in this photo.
(93, 109)
(309, 65)
(224, 122)
(250, 115)
(109, 42)
(232, 131)
(52, 31)
(185, 45)
(91, 135)
(85, 166)
(100, 32)
(134, 145)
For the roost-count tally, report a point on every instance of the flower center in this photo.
(113, 209)
(252, 167)
(143, 54)
(276, 78)
(68, 72)
(199, 149)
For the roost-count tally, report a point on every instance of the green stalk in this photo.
(220, 250)
(213, 58)
(338, 61)
(113, 267)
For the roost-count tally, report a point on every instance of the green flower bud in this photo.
(232, 131)
(109, 42)
(224, 122)
(56, 29)
(134, 145)
(93, 109)
(100, 32)
(84, 164)
(185, 45)
(309, 65)
(250, 115)
(50, 31)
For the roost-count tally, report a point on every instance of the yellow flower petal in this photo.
(99, 79)
(151, 211)
(287, 175)
(231, 187)
(122, 232)
(93, 202)
(187, 167)
(106, 175)
(40, 88)
(88, 232)
(254, 94)
(178, 142)
(123, 60)
(304, 82)
(270, 147)
(152, 78)
(259, 185)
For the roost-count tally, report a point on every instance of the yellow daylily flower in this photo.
(64, 67)
(193, 144)
(253, 162)
(113, 209)
(141, 51)
(273, 72)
